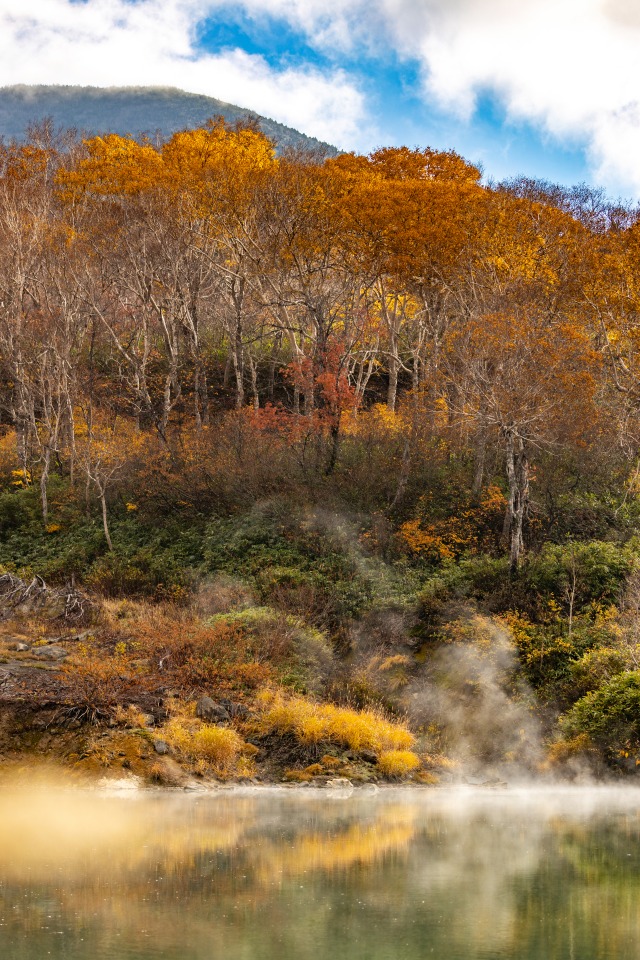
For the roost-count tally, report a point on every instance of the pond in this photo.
(258, 875)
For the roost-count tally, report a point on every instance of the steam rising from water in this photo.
(471, 688)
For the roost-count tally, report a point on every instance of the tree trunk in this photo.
(44, 477)
(517, 467)
(392, 389)
(238, 366)
(253, 371)
(403, 477)
(103, 503)
(478, 475)
(335, 446)
(271, 380)
(196, 392)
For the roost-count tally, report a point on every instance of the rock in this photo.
(148, 720)
(19, 647)
(161, 747)
(235, 709)
(368, 757)
(340, 783)
(49, 653)
(208, 709)
(72, 638)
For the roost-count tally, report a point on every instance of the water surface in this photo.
(278, 875)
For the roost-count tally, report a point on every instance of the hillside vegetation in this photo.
(347, 445)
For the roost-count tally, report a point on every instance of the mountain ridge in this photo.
(131, 110)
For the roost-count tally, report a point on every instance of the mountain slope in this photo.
(129, 110)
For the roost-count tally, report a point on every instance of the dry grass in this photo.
(438, 761)
(298, 776)
(219, 750)
(397, 763)
(196, 655)
(131, 716)
(314, 723)
(98, 679)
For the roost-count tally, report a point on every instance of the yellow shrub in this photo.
(366, 730)
(220, 748)
(315, 770)
(315, 722)
(397, 763)
(330, 762)
(298, 776)
(426, 777)
(131, 716)
(438, 761)
(312, 729)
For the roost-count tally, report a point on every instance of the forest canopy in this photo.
(199, 322)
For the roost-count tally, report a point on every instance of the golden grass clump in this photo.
(298, 776)
(438, 761)
(218, 749)
(314, 723)
(330, 762)
(397, 763)
(131, 716)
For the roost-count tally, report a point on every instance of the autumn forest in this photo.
(371, 407)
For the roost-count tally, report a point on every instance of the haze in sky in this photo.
(545, 88)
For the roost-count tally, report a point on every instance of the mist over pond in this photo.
(449, 874)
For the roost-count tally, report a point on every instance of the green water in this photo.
(280, 875)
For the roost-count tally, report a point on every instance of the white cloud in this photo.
(329, 24)
(154, 43)
(570, 66)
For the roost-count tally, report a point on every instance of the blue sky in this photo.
(394, 94)
(543, 88)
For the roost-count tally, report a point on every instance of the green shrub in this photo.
(290, 564)
(610, 716)
(595, 571)
(17, 510)
(481, 579)
(573, 575)
(598, 666)
(142, 574)
(549, 653)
